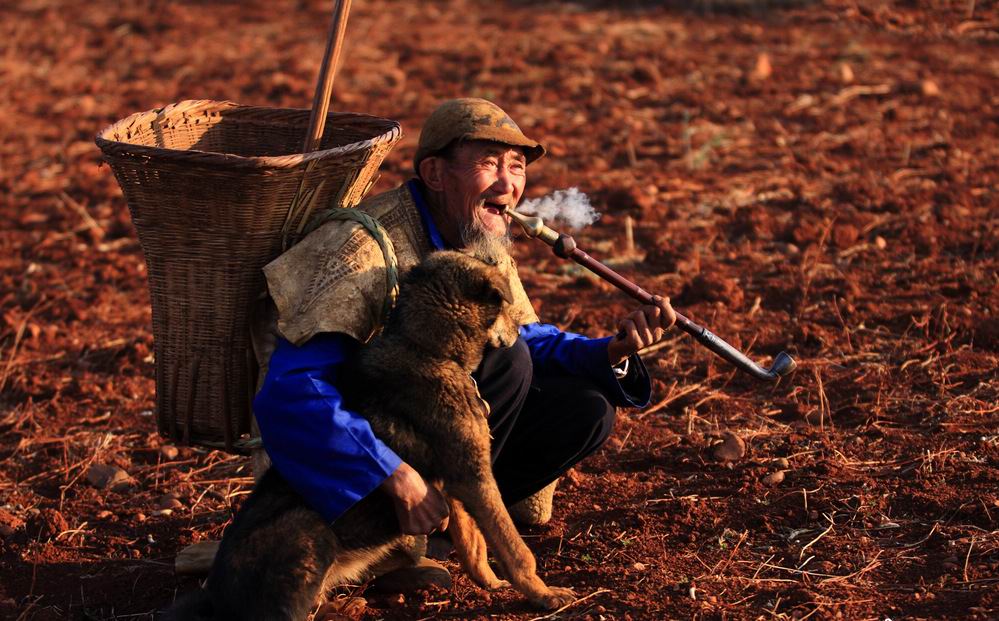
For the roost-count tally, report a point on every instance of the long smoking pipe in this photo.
(564, 246)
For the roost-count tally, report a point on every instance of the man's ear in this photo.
(432, 172)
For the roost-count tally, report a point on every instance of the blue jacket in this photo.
(330, 454)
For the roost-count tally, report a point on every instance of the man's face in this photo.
(479, 179)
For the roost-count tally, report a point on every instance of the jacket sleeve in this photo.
(555, 351)
(327, 453)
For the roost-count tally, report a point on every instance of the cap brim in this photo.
(532, 149)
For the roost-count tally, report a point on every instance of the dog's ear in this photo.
(498, 284)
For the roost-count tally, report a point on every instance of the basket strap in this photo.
(380, 235)
(301, 206)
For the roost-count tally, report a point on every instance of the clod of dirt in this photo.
(712, 288)
(105, 476)
(731, 448)
(49, 523)
(774, 478)
(633, 199)
(9, 523)
(845, 235)
(573, 479)
(169, 452)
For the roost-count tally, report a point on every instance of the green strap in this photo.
(378, 232)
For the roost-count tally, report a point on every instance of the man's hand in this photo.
(421, 509)
(641, 328)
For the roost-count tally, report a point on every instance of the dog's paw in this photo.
(555, 598)
(499, 584)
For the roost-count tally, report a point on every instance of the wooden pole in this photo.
(327, 71)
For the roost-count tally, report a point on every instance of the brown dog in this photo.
(413, 384)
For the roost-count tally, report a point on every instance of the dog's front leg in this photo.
(471, 548)
(482, 499)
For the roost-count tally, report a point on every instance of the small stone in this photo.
(140, 517)
(846, 73)
(169, 452)
(169, 501)
(162, 512)
(763, 68)
(880, 242)
(105, 476)
(774, 478)
(930, 88)
(396, 601)
(781, 463)
(731, 448)
(639, 566)
(103, 515)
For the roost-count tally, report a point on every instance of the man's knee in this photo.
(510, 366)
(595, 416)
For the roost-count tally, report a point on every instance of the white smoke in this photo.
(571, 207)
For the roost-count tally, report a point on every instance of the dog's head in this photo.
(454, 305)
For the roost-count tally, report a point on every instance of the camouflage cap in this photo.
(471, 118)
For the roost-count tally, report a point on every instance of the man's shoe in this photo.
(535, 510)
(424, 574)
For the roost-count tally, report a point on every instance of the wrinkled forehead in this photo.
(475, 149)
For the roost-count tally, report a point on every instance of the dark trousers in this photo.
(541, 426)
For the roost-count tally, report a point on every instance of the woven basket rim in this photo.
(112, 147)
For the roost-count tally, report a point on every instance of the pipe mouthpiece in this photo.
(533, 226)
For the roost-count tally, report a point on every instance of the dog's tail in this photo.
(194, 606)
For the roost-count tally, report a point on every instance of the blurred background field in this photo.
(813, 176)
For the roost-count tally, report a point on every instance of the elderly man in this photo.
(552, 395)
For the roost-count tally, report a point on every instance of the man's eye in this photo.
(489, 162)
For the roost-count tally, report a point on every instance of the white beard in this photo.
(492, 249)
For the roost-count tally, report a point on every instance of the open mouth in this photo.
(494, 208)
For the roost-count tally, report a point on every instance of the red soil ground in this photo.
(819, 178)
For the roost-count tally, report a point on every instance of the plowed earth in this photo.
(819, 178)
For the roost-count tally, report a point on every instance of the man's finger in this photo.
(668, 318)
(654, 316)
(642, 329)
(626, 330)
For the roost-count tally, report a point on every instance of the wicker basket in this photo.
(216, 191)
